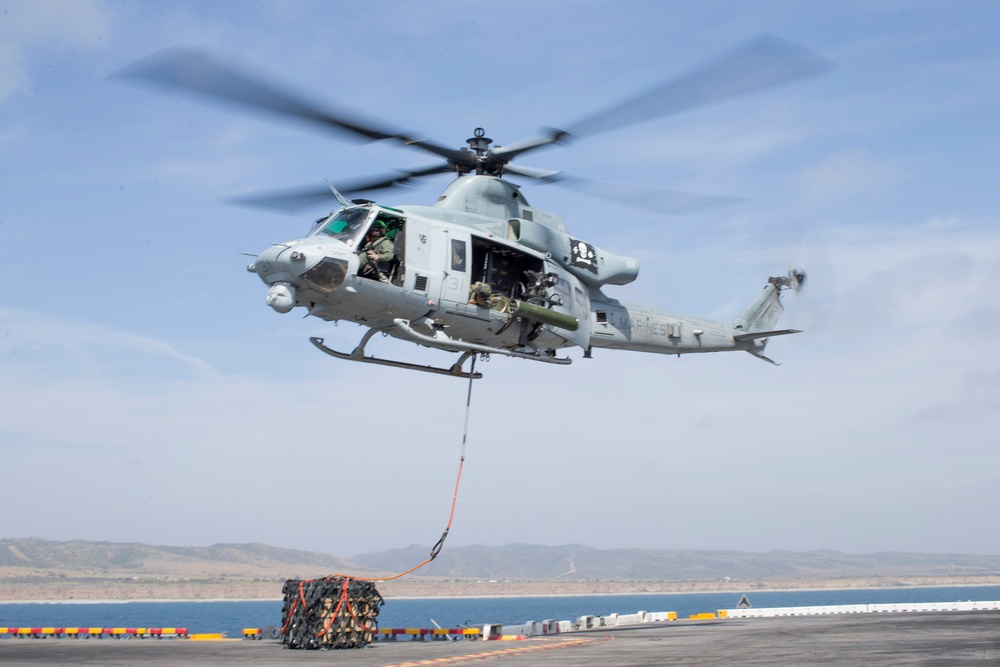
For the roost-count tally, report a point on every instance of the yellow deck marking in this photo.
(485, 655)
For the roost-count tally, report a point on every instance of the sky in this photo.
(148, 394)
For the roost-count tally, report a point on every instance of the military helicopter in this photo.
(481, 271)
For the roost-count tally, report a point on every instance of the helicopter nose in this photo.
(293, 267)
(277, 264)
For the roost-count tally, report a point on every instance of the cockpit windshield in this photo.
(348, 225)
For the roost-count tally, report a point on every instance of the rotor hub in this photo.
(479, 143)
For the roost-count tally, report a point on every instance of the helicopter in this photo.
(481, 271)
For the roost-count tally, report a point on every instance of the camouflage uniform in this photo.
(384, 251)
(480, 293)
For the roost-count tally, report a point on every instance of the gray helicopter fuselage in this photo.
(442, 254)
(540, 287)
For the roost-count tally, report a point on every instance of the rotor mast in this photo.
(486, 162)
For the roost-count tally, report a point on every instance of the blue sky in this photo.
(148, 394)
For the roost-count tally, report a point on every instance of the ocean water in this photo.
(232, 616)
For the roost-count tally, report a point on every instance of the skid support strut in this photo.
(455, 370)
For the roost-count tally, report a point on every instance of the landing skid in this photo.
(359, 355)
(440, 341)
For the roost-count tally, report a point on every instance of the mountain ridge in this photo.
(520, 561)
(102, 557)
(579, 562)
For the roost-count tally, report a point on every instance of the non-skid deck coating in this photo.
(948, 638)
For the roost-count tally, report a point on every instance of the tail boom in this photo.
(631, 327)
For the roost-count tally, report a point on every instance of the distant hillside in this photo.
(79, 558)
(104, 558)
(576, 562)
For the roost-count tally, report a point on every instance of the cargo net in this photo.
(334, 612)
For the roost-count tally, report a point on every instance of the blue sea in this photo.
(231, 617)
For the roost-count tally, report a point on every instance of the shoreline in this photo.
(700, 592)
(707, 591)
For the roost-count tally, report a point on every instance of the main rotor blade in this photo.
(199, 72)
(510, 151)
(543, 175)
(761, 63)
(300, 198)
(666, 202)
(288, 201)
(203, 74)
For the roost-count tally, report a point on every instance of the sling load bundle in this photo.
(333, 612)
(342, 612)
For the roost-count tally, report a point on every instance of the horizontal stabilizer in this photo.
(754, 335)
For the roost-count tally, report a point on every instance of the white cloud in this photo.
(13, 72)
(39, 341)
(31, 31)
(848, 174)
(83, 23)
(944, 222)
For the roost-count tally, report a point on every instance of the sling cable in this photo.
(341, 611)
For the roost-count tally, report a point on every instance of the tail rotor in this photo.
(809, 282)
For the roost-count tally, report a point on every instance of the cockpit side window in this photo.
(348, 225)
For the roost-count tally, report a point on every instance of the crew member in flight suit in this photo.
(378, 250)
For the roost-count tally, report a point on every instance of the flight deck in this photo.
(918, 638)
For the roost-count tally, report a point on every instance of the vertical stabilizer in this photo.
(758, 320)
(763, 312)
